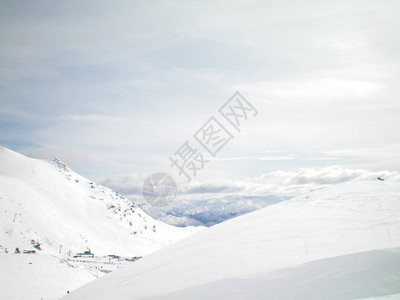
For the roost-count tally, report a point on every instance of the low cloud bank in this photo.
(278, 183)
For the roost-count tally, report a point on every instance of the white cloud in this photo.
(278, 183)
(288, 157)
(272, 158)
(313, 89)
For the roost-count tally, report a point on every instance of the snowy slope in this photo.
(339, 242)
(40, 276)
(47, 205)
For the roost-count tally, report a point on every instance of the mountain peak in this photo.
(48, 209)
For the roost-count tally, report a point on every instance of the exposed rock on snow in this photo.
(49, 211)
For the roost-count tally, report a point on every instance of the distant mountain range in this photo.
(208, 212)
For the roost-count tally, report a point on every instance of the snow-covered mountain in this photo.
(50, 214)
(208, 212)
(338, 242)
(213, 201)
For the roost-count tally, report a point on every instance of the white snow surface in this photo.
(45, 202)
(338, 242)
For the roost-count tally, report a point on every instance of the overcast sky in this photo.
(116, 87)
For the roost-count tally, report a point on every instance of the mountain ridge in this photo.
(48, 210)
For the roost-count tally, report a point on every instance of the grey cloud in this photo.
(322, 75)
